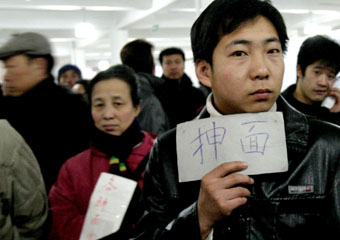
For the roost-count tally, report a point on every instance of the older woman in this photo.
(118, 146)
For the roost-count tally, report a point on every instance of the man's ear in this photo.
(203, 72)
(298, 72)
(40, 63)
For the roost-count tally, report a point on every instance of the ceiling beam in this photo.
(133, 17)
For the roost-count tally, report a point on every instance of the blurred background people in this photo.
(81, 86)
(23, 200)
(68, 75)
(180, 99)
(119, 146)
(318, 64)
(52, 120)
(137, 54)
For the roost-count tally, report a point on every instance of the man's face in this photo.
(315, 84)
(173, 66)
(69, 78)
(247, 69)
(22, 74)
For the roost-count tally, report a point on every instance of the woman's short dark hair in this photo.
(319, 48)
(122, 72)
(222, 17)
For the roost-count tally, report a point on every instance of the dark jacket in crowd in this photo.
(314, 110)
(274, 210)
(180, 100)
(53, 121)
(152, 117)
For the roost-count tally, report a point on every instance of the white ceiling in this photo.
(163, 22)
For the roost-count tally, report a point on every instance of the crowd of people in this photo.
(57, 136)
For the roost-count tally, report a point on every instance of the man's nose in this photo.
(258, 68)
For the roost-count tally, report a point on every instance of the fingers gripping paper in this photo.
(108, 205)
(256, 138)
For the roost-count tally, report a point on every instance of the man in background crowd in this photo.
(68, 75)
(180, 99)
(318, 64)
(53, 121)
(23, 200)
(138, 55)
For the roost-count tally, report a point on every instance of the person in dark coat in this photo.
(180, 99)
(137, 54)
(52, 120)
(238, 48)
(318, 64)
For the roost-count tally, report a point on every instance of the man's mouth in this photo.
(262, 94)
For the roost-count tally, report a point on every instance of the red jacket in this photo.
(70, 195)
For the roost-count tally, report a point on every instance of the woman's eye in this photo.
(118, 104)
(98, 105)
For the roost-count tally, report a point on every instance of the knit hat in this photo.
(25, 43)
(69, 67)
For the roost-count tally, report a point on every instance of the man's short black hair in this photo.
(122, 72)
(170, 51)
(319, 48)
(222, 17)
(138, 55)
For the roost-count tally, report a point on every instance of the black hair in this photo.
(170, 51)
(319, 48)
(222, 17)
(138, 55)
(122, 72)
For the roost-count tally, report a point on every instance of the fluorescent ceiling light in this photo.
(85, 30)
(295, 11)
(59, 7)
(61, 40)
(107, 8)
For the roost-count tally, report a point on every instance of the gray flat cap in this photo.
(28, 43)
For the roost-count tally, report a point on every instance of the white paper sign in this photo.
(256, 138)
(108, 205)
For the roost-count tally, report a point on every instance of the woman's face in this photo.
(111, 106)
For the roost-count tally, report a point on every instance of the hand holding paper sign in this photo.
(220, 194)
(256, 138)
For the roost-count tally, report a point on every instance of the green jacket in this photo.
(23, 200)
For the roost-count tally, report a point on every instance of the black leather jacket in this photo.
(302, 203)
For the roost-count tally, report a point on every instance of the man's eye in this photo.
(273, 51)
(238, 54)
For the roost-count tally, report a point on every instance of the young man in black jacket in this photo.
(318, 64)
(238, 48)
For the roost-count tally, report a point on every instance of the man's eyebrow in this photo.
(247, 42)
(273, 39)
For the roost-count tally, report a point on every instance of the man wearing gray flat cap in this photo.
(52, 120)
